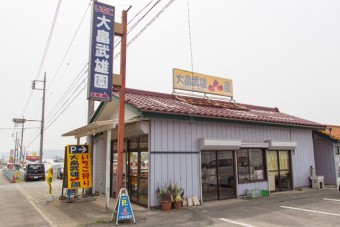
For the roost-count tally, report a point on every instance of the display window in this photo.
(251, 165)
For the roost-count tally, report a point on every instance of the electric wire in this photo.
(147, 25)
(139, 12)
(68, 89)
(139, 20)
(67, 99)
(61, 110)
(68, 49)
(56, 118)
(45, 52)
(192, 61)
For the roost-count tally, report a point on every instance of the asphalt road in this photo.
(25, 204)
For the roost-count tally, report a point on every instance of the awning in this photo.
(92, 128)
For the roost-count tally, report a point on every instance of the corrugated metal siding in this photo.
(169, 135)
(325, 160)
(303, 157)
(99, 156)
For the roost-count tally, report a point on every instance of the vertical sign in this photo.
(101, 53)
(78, 167)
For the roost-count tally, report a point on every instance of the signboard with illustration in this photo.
(79, 174)
(123, 209)
(191, 81)
(101, 53)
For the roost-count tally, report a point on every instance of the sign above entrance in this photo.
(191, 81)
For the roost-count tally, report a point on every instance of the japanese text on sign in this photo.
(191, 81)
(79, 166)
(101, 60)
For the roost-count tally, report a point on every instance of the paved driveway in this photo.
(25, 204)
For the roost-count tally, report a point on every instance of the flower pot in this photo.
(166, 205)
(177, 205)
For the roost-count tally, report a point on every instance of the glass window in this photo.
(250, 165)
(337, 150)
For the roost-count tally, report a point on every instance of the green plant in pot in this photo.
(177, 195)
(165, 197)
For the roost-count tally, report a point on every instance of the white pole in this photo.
(107, 183)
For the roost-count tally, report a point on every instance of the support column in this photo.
(121, 116)
(108, 164)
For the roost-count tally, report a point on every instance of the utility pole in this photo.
(42, 115)
(121, 116)
(19, 157)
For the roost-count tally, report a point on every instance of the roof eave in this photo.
(312, 127)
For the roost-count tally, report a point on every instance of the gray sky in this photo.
(281, 54)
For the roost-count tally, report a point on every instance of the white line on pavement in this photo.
(30, 200)
(235, 222)
(313, 211)
(336, 200)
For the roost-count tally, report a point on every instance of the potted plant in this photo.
(165, 197)
(177, 195)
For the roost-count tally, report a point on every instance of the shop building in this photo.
(327, 153)
(216, 149)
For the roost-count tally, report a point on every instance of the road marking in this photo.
(30, 200)
(235, 222)
(313, 211)
(336, 200)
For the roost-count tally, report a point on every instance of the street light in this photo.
(42, 114)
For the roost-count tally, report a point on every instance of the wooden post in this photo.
(121, 106)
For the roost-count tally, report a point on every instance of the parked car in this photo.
(34, 171)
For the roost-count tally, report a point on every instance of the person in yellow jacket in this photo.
(49, 179)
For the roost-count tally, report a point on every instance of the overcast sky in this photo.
(281, 54)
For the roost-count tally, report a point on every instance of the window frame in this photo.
(248, 151)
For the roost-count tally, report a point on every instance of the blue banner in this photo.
(101, 53)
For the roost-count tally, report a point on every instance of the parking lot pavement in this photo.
(309, 207)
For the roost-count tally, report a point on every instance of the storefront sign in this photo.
(101, 53)
(191, 81)
(78, 166)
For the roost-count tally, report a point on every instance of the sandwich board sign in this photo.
(123, 207)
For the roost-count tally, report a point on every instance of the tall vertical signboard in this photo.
(101, 53)
(79, 174)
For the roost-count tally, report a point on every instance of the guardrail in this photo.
(9, 174)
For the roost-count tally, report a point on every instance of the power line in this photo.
(192, 61)
(147, 25)
(60, 111)
(140, 19)
(75, 34)
(69, 89)
(45, 52)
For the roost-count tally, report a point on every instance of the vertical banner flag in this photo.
(78, 167)
(101, 53)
